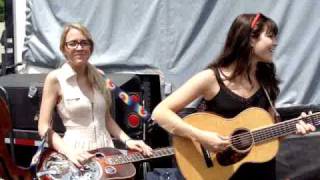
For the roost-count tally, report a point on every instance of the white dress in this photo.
(84, 120)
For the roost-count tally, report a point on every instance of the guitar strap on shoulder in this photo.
(139, 109)
(276, 113)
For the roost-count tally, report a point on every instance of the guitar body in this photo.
(190, 156)
(96, 168)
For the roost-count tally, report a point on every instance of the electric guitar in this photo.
(253, 136)
(108, 163)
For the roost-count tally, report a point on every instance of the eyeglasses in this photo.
(75, 43)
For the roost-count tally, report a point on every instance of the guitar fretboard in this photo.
(283, 128)
(136, 156)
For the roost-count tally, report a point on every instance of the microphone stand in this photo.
(145, 90)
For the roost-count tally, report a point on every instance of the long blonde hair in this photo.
(95, 78)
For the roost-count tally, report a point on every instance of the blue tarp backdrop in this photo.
(178, 37)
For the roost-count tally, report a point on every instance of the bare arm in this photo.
(118, 133)
(114, 129)
(49, 98)
(202, 84)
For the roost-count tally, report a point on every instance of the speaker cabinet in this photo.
(24, 93)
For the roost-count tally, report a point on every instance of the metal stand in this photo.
(146, 104)
(145, 165)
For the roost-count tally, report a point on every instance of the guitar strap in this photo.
(276, 113)
(36, 157)
(139, 109)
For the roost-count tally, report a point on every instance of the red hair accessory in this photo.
(255, 20)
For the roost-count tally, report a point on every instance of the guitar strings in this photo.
(258, 135)
(287, 127)
(243, 142)
(136, 156)
(277, 127)
(245, 139)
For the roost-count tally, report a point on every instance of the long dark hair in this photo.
(237, 50)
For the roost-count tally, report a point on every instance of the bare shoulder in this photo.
(207, 81)
(205, 78)
(51, 82)
(52, 77)
(207, 74)
(199, 84)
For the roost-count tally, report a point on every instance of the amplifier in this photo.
(24, 93)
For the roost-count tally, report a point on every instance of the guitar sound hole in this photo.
(241, 140)
(241, 143)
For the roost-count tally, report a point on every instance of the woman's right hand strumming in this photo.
(213, 141)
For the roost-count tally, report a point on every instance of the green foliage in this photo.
(2, 10)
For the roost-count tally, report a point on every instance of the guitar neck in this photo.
(136, 156)
(283, 128)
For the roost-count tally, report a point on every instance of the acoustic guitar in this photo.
(108, 163)
(253, 136)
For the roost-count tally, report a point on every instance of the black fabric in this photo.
(298, 158)
(228, 104)
(261, 171)
(164, 174)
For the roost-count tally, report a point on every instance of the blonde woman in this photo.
(78, 92)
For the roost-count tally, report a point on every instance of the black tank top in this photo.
(228, 104)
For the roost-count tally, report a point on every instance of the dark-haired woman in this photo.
(234, 82)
